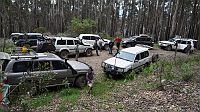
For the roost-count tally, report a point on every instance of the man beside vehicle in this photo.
(118, 41)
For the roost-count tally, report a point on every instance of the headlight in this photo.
(120, 69)
(103, 64)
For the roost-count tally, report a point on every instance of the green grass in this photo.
(68, 96)
(38, 101)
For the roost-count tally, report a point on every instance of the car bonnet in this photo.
(78, 65)
(118, 62)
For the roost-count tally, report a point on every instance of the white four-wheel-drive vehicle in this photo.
(67, 46)
(181, 44)
(90, 39)
(128, 59)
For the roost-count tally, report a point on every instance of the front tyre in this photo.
(64, 54)
(106, 47)
(88, 52)
(169, 48)
(80, 81)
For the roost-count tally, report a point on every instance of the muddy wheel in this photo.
(89, 52)
(64, 54)
(80, 81)
(106, 47)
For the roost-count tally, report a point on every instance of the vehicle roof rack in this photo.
(17, 54)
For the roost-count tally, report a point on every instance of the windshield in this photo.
(171, 40)
(126, 56)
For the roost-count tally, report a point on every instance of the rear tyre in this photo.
(80, 81)
(106, 47)
(89, 52)
(64, 54)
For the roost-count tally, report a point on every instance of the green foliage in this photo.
(149, 70)
(130, 75)
(40, 30)
(69, 95)
(82, 26)
(38, 101)
(168, 74)
(106, 36)
(186, 72)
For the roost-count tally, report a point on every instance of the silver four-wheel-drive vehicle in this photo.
(16, 67)
(128, 59)
(66, 46)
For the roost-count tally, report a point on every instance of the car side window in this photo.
(183, 42)
(93, 38)
(70, 42)
(86, 37)
(22, 66)
(178, 41)
(41, 66)
(58, 65)
(61, 42)
(137, 57)
(188, 42)
(143, 55)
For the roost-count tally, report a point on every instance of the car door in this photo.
(178, 44)
(182, 45)
(81, 46)
(71, 46)
(62, 71)
(21, 70)
(42, 72)
(59, 44)
(93, 38)
(136, 62)
(87, 40)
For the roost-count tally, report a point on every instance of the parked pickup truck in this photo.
(128, 59)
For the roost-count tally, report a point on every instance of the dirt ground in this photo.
(95, 61)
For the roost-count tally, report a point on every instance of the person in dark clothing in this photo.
(77, 51)
(188, 48)
(111, 44)
(96, 46)
(89, 79)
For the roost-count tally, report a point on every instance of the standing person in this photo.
(118, 41)
(90, 78)
(111, 44)
(96, 46)
(77, 51)
(188, 48)
(100, 45)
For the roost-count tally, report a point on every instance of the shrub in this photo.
(186, 72)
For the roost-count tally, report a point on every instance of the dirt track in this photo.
(95, 61)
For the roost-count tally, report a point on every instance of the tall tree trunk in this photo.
(174, 19)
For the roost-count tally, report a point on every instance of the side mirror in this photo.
(66, 60)
(136, 61)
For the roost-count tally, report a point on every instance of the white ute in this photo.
(128, 59)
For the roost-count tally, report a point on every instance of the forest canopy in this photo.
(159, 18)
